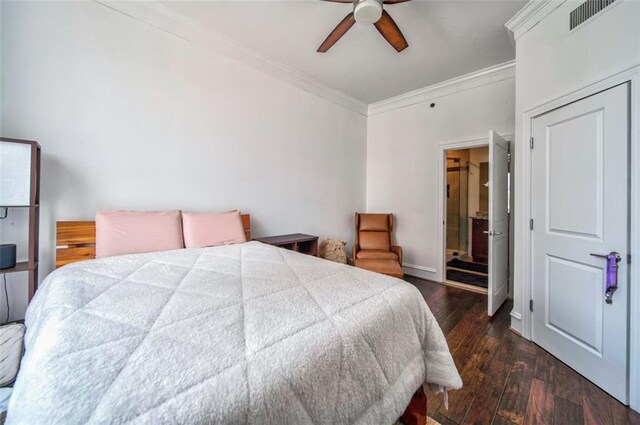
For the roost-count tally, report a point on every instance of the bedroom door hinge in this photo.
(628, 258)
(531, 143)
(531, 224)
(530, 305)
(509, 158)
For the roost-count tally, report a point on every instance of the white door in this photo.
(580, 207)
(498, 222)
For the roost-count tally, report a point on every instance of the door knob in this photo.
(613, 258)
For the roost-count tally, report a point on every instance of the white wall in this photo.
(131, 117)
(402, 161)
(550, 63)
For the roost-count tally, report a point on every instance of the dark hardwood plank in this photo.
(545, 366)
(460, 400)
(499, 420)
(500, 322)
(623, 415)
(473, 376)
(486, 353)
(467, 348)
(465, 327)
(507, 379)
(508, 347)
(599, 407)
(569, 387)
(434, 403)
(513, 405)
(443, 419)
(426, 288)
(541, 403)
(485, 404)
(460, 310)
(566, 412)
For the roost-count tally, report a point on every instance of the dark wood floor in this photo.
(507, 379)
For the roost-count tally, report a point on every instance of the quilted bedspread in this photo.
(241, 334)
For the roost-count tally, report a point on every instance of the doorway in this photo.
(474, 206)
(467, 205)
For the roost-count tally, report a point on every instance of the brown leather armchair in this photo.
(374, 249)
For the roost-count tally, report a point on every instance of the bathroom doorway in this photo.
(467, 213)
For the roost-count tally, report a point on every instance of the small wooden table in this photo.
(299, 242)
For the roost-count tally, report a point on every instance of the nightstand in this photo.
(299, 242)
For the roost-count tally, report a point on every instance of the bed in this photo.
(237, 334)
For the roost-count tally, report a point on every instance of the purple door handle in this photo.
(613, 258)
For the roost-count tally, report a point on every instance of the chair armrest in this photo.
(398, 251)
(356, 248)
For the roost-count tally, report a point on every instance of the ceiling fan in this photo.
(368, 12)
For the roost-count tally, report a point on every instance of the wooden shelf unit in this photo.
(31, 265)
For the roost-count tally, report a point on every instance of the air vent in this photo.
(586, 10)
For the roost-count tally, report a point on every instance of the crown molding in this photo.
(530, 15)
(493, 74)
(167, 20)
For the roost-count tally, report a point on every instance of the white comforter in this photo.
(242, 334)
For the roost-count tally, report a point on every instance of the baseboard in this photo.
(421, 272)
(516, 322)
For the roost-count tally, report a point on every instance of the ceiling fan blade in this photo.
(337, 33)
(388, 1)
(390, 31)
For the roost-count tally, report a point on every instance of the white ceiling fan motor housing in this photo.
(367, 12)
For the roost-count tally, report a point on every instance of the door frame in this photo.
(441, 224)
(523, 253)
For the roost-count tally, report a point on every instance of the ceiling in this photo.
(447, 38)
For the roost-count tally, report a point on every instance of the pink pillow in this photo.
(212, 229)
(131, 232)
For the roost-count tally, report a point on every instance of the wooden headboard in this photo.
(76, 240)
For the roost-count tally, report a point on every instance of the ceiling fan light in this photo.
(367, 12)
